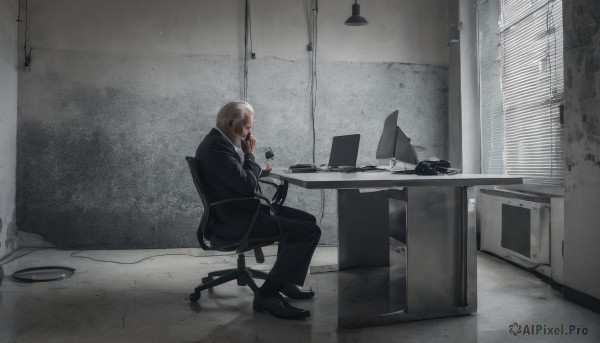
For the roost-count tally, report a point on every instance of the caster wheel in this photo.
(194, 297)
(207, 279)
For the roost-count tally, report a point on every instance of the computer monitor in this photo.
(404, 151)
(387, 141)
(394, 144)
(344, 150)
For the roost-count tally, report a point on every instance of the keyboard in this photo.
(402, 171)
(344, 169)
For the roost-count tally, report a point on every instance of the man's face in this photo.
(244, 127)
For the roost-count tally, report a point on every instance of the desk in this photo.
(436, 277)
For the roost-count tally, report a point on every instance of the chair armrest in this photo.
(226, 201)
(257, 197)
(268, 183)
(262, 197)
(244, 241)
(280, 191)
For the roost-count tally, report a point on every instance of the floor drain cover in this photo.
(43, 274)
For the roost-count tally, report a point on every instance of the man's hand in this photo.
(249, 144)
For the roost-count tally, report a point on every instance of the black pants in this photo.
(296, 246)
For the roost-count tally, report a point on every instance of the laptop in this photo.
(344, 152)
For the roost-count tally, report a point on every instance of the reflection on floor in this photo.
(146, 302)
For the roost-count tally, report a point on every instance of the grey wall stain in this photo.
(582, 180)
(583, 30)
(578, 135)
(12, 235)
(102, 163)
(594, 128)
(593, 62)
(8, 121)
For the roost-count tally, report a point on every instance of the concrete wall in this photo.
(8, 125)
(581, 20)
(121, 91)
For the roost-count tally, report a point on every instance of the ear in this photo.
(231, 123)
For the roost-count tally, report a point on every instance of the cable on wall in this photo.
(245, 85)
(19, 20)
(312, 11)
(26, 47)
(312, 14)
(247, 39)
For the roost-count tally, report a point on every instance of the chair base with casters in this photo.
(245, 277)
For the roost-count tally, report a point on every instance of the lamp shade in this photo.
(355, 19)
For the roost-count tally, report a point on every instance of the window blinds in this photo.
(526, 133)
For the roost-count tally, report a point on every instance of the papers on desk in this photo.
(402, 168)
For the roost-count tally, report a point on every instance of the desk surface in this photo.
(382, 179)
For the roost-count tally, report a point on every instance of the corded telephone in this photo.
(433, 167)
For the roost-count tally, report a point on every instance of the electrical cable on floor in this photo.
(74, 254)
(18, 257)
(149, 257)
(145, 258)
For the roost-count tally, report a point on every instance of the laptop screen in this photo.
(344, 151)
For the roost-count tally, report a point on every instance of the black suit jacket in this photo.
(224, 177)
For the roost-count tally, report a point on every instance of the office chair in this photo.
(241, 273)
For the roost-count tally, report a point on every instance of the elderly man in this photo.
(228, 169)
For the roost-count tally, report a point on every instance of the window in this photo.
(521, 77)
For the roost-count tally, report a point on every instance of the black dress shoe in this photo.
(278, 307)
(294, 292)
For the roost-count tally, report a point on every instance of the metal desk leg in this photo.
(441, 253)
(363, 229)
(438, 278)
(371, 282)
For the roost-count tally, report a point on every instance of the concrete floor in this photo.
(146, 302)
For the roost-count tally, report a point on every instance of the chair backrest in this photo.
(222, 244)
(194, 170)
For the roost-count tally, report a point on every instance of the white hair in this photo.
(234, 110)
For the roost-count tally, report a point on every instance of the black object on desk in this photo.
(344, 150)
(394, 144)
(302, 168)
